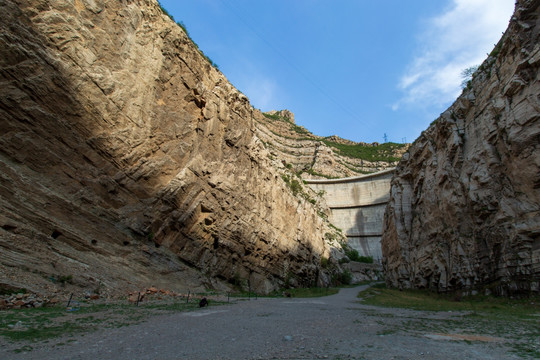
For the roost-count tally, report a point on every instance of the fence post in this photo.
(69, 301)
(189, 292)
(138, 298)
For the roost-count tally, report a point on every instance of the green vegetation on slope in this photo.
(293, 127)
(383, 152)
(181, 24)
(292, 183)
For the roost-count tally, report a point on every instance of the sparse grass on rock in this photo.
(54, 322)
(382, 152)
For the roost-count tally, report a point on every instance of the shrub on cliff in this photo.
(342, 278)
(353, 255)
(293, 184)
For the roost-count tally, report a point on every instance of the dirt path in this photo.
(333, 327)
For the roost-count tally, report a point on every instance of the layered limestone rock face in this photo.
(464, 211)
(317, 157)
(127, 160)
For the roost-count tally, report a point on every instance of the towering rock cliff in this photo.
(127, 160)
(465, 200)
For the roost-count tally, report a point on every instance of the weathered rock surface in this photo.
(364, 272)
(127, 160)
(317, 157)
(465, 200)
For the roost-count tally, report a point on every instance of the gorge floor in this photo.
(332, 327)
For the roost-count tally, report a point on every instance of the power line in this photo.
(292, 65)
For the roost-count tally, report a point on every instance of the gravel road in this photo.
(332, 327)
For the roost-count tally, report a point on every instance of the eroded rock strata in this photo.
(464, 211)
(127, 160)
(316, 157)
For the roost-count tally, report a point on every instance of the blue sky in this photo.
(358, 69)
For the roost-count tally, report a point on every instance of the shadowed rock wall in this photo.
(464, 210)
(127, 160)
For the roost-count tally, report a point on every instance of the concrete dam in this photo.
(357, 207)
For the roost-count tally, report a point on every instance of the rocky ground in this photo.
(332, 327)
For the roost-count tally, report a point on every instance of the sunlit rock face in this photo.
(464, 210)
(127, 160)
(317, 157)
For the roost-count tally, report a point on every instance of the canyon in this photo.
(127, 160)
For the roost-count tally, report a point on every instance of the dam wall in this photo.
(357, 207)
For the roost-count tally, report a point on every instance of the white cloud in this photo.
(261, 88)
(261, 91)
(459, 38)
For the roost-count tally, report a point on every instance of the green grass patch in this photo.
(274, 117)
(515, 320)
(41, 333)
(425, 300)
(35, 324)
(30, 325)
